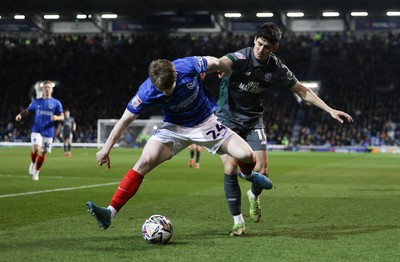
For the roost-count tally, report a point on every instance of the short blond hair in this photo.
(48, 82)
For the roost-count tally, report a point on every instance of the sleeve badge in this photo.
(136, 101)
(239, 55)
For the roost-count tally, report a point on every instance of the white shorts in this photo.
(44, 142)
(210, 134)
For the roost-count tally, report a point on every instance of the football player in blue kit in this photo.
(255, 70)
(189, 118)
(47, 110)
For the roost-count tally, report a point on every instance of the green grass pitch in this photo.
(323, 207)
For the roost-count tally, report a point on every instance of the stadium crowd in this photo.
(97, 75)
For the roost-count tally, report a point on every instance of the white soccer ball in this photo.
(157, 229)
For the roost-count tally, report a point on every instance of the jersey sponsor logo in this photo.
(136, 101)
(239, 55)
(252, 87)
(187, 101)
(44, 113)
(268, 77)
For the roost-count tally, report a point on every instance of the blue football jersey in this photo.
(188, 105)
(44, 109)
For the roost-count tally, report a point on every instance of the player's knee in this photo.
(230, 169)
(249, 157)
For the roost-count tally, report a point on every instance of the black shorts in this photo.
(67, 134)
(254, 135)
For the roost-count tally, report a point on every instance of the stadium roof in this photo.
(140, 9)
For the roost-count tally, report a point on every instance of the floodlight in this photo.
(359, 13)
(330, 14)
(51, 17)
(295, 14)
(265, 14)
(393, 13)
(232, 15)
(109, 16)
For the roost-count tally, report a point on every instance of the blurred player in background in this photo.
(68, 127)
(254, 71)
(194, 151)
(47, 110)
(189, 118)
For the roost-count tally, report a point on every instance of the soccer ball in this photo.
(157, 229)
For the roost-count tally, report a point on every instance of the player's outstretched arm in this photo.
(216, 65)
(227, 63)
(126, 119)
(309, 96)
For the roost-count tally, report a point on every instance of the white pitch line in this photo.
(56, 190)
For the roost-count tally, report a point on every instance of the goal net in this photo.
(136, 135)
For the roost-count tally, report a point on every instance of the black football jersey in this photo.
(242, 93)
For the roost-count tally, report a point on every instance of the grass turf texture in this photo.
(324, 207)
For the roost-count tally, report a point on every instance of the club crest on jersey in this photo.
(239, 55)
(192, 84)
(136, 102)
(268, 77)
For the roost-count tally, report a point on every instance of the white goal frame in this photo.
(139, 131)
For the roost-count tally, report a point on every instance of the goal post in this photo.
(136, 135)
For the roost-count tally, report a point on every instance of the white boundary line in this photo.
(57, 190)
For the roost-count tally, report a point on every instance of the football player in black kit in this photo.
(254, 71)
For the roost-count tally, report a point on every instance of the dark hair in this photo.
(270, 32)
(162, 74)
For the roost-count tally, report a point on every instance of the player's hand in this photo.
(202, 75)
(222, 74)
(103, 158)
(336, 114)
(18, 118)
